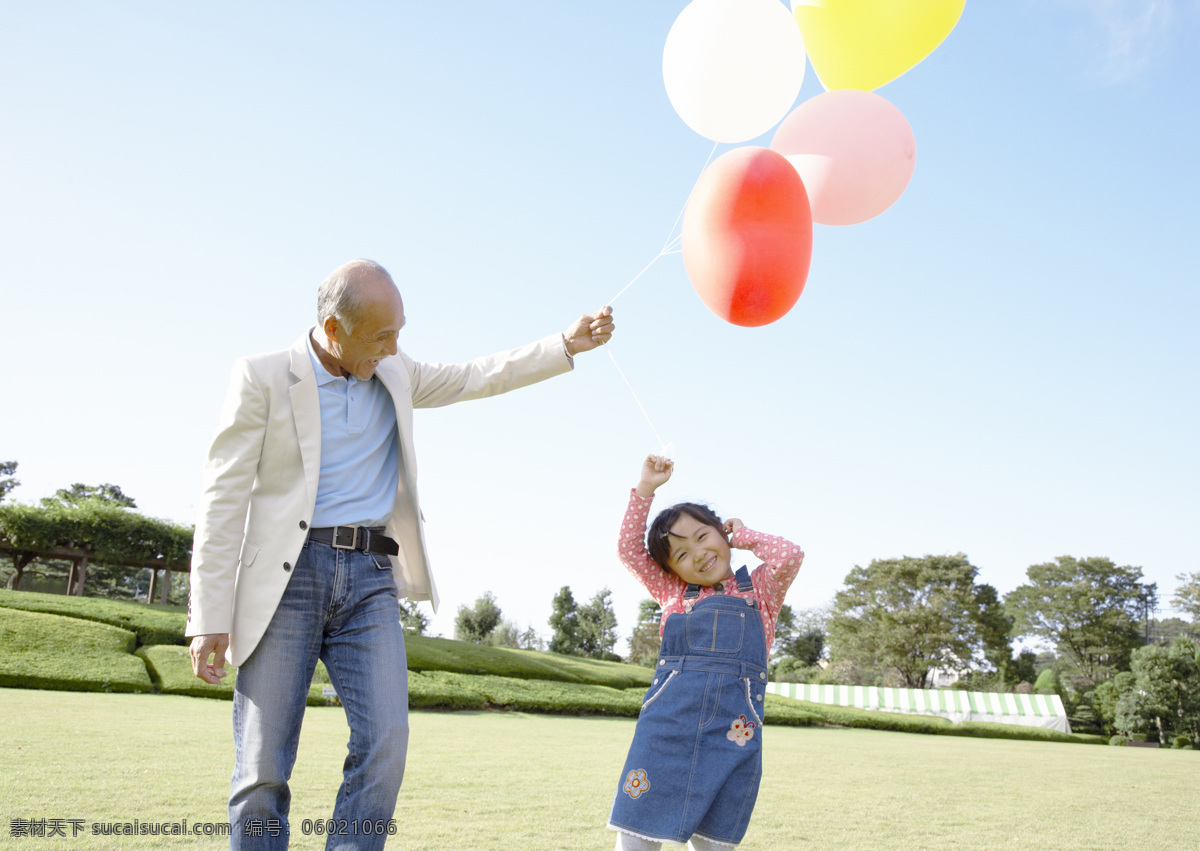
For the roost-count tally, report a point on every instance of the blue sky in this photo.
(1005, 363)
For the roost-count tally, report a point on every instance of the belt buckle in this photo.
(337, 531)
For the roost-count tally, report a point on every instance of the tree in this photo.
(589, 630)
(79, 493)
(909, 616)
(801, 635)
(7, 482)
(1089, 608)
(414, 620)
(1107, 696)
(477, 624)
(564, 620)
(1024, 667)
(1048, 681)
(645, 641)
(1166, 630)
(1187, 595)
(597, 625)
(506, 634)
(1165, 697)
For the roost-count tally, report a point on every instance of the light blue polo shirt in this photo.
(360, 450)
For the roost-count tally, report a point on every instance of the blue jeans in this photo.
(340, 606)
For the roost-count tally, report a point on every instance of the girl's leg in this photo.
(629, 842)
(699, 843)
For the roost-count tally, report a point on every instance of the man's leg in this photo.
(364, 653)
(268, 707)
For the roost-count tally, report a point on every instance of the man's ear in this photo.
(331, 328)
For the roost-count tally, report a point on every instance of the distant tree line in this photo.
(589, 630)
(1118, 668)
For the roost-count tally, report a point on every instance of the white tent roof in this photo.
(1029, 710)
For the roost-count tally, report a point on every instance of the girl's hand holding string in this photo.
(656, 470)
(731, 525)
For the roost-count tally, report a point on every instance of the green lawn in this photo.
(518, 781)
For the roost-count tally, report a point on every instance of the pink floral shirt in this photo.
(781, 562)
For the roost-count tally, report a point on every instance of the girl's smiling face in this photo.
(699, 553)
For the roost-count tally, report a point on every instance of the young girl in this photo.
(694, 766)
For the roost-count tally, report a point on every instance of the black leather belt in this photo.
(361, 538)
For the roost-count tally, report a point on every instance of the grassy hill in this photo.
(91, 644)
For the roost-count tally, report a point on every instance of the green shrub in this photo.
(443, 654)
(152, 624)
(427, 692)
(1048, 682)
(1118, 740)
(846, 716)
(545, 695)
(786, 712)
(170, 669)
(989, 730)
(789, 669)
(1182, 742)
(54, 652)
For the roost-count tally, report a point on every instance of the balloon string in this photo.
(671, 236)
(665, 447)
(673, 245)
(635, 277)
(673, 240)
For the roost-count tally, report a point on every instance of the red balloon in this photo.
(747, 236)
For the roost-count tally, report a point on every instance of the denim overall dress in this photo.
(696, 758)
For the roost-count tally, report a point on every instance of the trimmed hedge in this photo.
(460, 657)
(596, 672)
(68, 654)
(428, 692)
(844, 716)
(152, 624)
(785, 712)
(170, 669)
(544, 695)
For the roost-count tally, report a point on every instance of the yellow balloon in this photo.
(863, 44)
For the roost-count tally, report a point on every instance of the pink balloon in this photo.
(747, 236)
(854, 151)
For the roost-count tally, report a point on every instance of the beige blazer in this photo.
(260, 481)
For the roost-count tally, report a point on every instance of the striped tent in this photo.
(1029, 710)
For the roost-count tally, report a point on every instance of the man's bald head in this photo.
(350, 289)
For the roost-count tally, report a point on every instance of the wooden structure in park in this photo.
(79, 560)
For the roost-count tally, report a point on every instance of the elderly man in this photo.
(309, 532)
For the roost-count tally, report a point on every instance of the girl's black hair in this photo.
(656, 539)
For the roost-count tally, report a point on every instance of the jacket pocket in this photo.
(249, 551)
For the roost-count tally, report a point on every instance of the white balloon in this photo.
(733, 68)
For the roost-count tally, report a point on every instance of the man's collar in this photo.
(323, 375)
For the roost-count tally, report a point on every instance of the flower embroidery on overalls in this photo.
(741, 731)
(636, 782)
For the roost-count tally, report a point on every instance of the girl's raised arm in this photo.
(631, 543)
(781, 557)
